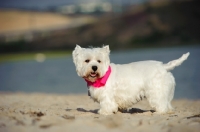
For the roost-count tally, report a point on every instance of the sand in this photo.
(20, 21)
(35, 112)
(15, 20)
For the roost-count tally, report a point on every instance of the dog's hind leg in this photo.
(160, 92)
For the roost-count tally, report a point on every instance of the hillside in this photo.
(150, 25)
(165, 24)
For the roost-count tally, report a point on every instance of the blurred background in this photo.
(37, 38)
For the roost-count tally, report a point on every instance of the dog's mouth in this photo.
(93, 74)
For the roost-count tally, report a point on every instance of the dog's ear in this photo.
(77, 47)
(75, 53)
(106, 48)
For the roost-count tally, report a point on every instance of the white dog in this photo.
(118, 87)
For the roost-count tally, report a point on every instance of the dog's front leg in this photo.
(108, 107)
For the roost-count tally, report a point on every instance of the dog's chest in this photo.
(95, 93)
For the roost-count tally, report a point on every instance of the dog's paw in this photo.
(103, 112)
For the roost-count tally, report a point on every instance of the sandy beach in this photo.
(23, 112)
(21, 21)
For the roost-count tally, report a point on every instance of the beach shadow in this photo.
(193, 116)
(68, 109)
(91, 111)
(130, 111)
(136, 110)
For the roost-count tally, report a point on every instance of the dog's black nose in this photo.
(94, 68)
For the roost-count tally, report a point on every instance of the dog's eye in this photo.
(99, 61)
(87, 61)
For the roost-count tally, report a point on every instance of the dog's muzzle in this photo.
(94, 73)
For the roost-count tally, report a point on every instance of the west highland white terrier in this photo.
(119, 86)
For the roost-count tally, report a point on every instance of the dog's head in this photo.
(91, 63)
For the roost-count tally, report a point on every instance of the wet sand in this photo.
(24, 112)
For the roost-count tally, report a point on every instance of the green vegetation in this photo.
(32, 55)
(14, 46)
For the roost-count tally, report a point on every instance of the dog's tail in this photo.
(172, 64)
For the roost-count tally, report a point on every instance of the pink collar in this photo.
(101, 81)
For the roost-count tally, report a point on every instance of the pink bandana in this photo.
(101, 81)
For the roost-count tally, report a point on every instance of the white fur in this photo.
(127, 83)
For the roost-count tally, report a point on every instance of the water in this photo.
(59, 75)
